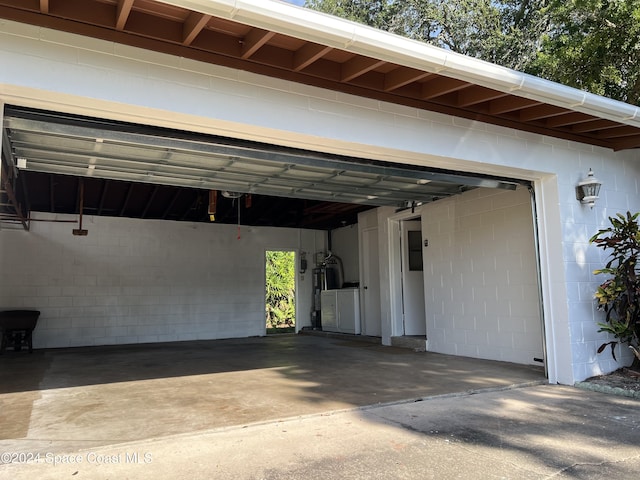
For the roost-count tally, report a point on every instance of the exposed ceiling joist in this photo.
(193, 25)
(123, 11)
(357, 67)
(254, 41)
(307, 55)
(402, 76)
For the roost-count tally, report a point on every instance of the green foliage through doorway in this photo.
(280, 290)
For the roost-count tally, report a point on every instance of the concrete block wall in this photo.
(59, 71)
(344, 243)
(481, 290)
(137, 281)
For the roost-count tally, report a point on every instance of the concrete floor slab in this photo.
(87, 397)
(536, 432)
(69, 400)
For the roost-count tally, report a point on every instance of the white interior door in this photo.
(370, 313)
(414, 317)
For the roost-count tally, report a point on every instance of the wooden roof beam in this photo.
(123, 12)
(358, 66)
(541, 112)
(627, 143)
(44, 6)
(441, 86)
(150, 201)
(308, 54)
(103, 196)
(570, 118)
(171, 203)
(52, 199)
(126, 200)
(621, 131)
(402, 76)
(508, 104)
(594, 125)
(475, 95)
(192, 27)
(254, 40)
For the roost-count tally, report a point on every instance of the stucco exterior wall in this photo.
(59, 71)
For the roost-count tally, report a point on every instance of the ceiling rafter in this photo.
(172, 202)
(254, 41)
(629, 142)
(508, 104)
(127, 197)
(618, 132)
(402, 76)
(122, 13)
(154, 192)
(79, 195)
(439, 86)
(52, 199)
(192, 27)
(44, 6)
(103, 196)
(540, 112)
(309, 53)
(568, 119)
(191, 207)
(475, 95)
(594, 125)
(357, 67)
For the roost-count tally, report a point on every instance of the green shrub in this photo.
(619, 295)
(280, 289)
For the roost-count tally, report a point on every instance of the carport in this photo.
(59, 167)
(195, 135)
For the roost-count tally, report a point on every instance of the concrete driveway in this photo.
(299, 407)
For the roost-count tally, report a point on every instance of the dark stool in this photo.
(16, 329)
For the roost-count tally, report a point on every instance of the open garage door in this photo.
(117, 157)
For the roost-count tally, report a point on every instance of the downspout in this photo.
(536, 246)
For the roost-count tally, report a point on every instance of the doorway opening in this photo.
(412, 277)
(280, 291)
(409, 329)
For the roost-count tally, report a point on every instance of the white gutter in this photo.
(328, 30)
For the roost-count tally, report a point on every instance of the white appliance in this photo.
(341, 310)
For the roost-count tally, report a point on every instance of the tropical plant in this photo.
(280, 289)
(619, 295)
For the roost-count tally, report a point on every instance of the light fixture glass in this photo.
(230, 194)
(588, 189)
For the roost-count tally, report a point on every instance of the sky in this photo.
(295, 2)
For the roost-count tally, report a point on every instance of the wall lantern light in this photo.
(588, 189)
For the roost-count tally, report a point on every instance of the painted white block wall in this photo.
(344, 243)
(481, 289)
(137, 281)
(59, 71)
